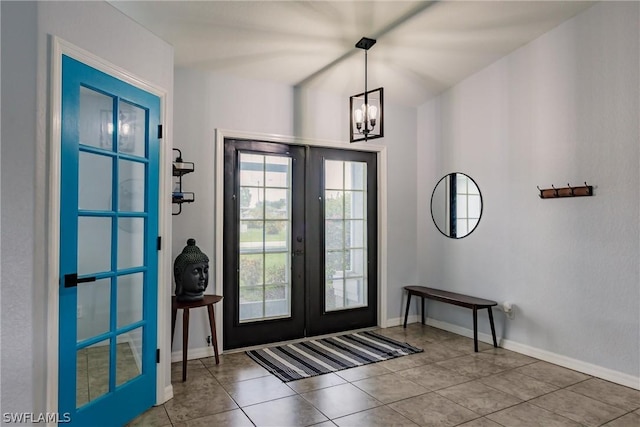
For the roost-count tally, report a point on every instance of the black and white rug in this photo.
(309, 358)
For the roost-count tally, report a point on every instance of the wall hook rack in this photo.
(568, 191)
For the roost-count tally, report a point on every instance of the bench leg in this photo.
(493, 329)
(406, 312)
(422, 310)
(475, 329)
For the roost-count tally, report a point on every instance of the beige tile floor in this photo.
(446, 385)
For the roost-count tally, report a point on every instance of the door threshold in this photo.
(315, 337)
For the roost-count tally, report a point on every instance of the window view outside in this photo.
(467, 205)
(345, 224)
(265, 254)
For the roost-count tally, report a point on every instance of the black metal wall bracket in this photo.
(569, 191)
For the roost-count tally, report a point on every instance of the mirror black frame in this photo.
(452, 232)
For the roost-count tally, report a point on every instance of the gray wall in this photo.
(26, 26)
(17, 291)
(562, 109)
(206, 101)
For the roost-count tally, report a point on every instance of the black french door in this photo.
(300, 243)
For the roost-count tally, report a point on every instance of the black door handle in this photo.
(71, 280)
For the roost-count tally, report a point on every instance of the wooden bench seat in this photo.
(460, 300)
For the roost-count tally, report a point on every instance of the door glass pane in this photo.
(277, 171)
(131, 187)
(334, 280)
(95, 121)
(333, 204)
(345, 235)
(130, 242)
(334, 234)
(129, 299)
(355, 176)
(355, 234)
(333, 175)
(276, 203)
(94, 245)
(132, 129)
(128, 356)
(82, 378)
(252, 170)
(98, 367)
(94, 171)
(354, 204)
(251, 206)
(265, 250)
(93, 308)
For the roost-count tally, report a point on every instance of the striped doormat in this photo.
(309, 358)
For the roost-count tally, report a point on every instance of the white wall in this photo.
(26, 26)
(206, 101)
(562, 109)
(19, 44)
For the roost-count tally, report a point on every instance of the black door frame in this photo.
(263, 331)
(318, 320)
(221, 135)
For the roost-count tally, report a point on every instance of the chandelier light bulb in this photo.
(372, 112)
(358, 115)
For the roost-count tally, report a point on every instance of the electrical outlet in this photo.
(208, 340)
(508, 309)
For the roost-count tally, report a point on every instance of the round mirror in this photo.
(456, 205)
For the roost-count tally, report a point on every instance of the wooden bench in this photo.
(460, 300)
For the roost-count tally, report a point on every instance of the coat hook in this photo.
(555, 190)
(570, 188)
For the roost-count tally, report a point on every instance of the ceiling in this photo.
(422, 47)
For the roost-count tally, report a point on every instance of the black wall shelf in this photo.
(181, 168)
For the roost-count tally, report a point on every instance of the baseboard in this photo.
(547, 356)
(166, 396)
(575, 364)
(193, 353)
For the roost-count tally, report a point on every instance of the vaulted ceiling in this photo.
(422, 47)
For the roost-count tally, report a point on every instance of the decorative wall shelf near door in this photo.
(569, 191)
(181, 168)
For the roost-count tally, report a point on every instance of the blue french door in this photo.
(108, 250)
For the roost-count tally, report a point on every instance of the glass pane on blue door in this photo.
(131, 124)
(95, 121)
(94, 171)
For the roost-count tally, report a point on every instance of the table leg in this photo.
(174, 313)
(493, 329)
(475, 329)
(422, 310)
(406, 312)
(214, 337)
(185, 341)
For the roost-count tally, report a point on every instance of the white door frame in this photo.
(381, 152)
(61, 47)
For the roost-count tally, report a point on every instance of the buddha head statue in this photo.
(191, 273)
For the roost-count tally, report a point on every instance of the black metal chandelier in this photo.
(365, 108)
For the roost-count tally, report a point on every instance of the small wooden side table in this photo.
(207, 301)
